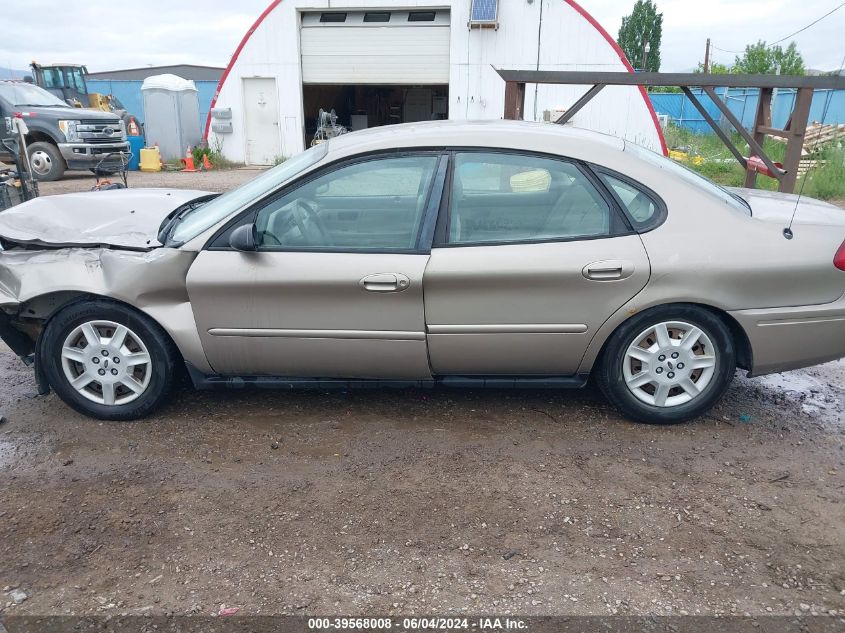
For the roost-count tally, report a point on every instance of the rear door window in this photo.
(506, 198)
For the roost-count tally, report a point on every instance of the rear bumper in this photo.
(790, 338)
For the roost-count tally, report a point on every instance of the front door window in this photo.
(375, 205)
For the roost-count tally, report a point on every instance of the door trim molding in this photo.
(508, 328)
(379, 335)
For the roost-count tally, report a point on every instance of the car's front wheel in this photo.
(667, 365)
(108, 361)
(46, 162)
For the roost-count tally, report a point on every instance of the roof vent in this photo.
(377, 16)
(333, 17)
(484, 14)
(421, 16)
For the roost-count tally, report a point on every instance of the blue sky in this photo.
(207, 31)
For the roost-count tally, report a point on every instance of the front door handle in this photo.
(385, 282)
(608, 270)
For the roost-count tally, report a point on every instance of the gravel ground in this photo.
(216, 180)
(425, 502)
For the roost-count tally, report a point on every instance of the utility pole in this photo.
(707, 57)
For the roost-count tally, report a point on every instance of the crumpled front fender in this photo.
(36, 283)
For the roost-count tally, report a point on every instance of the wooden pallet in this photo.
(807, 164)
(818, 135)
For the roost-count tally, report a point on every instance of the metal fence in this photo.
(129, 93)
(828, 107)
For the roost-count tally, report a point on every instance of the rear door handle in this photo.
(608, 270)
(385, 282)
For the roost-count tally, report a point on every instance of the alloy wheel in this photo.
(106, 362)
(669, 364)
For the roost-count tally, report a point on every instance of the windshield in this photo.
(206, 216)
(21, 94)
(76, 80)
(690, 176)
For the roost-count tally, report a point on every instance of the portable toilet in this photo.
(171, 114)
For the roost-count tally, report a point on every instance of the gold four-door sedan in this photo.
(468, 254)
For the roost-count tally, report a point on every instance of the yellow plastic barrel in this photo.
(150, 159)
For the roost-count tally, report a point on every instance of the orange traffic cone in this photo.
(206, 164)
(188, 161)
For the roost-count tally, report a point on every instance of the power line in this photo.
(724, 50)
(814, 22)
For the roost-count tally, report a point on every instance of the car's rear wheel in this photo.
(108, 361)
(667, 365)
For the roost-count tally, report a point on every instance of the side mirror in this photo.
(243, 238)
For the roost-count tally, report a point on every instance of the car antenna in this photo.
(787, 232)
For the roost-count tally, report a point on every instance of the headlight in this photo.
(122, 130)
(68, 128)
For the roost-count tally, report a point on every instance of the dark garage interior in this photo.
(362, 106)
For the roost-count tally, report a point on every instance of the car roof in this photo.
(548, 138)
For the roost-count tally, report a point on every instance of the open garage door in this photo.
(377, 47)
(366, 105)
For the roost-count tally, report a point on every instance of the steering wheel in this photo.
(309, 222)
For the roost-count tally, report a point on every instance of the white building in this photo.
(377, 62)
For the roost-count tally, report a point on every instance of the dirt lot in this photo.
(206, 181)
(426, 502)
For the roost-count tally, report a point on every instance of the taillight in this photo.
(839, 258)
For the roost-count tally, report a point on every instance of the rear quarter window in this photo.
(644, 208)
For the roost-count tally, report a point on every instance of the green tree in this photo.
(759, 59)
(791, 61)
(643, 26)
(715, 68)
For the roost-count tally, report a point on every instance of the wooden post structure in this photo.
(796, 128)
(794, 131)
(514, 100)
(762, 120)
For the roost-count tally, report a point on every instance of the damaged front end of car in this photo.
(36, 284)
(65, 249)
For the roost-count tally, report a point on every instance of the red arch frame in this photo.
(572, 3)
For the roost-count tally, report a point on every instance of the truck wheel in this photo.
(46, 161)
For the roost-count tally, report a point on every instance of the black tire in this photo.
(611, 380)
(46, 161)
(164, 358)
